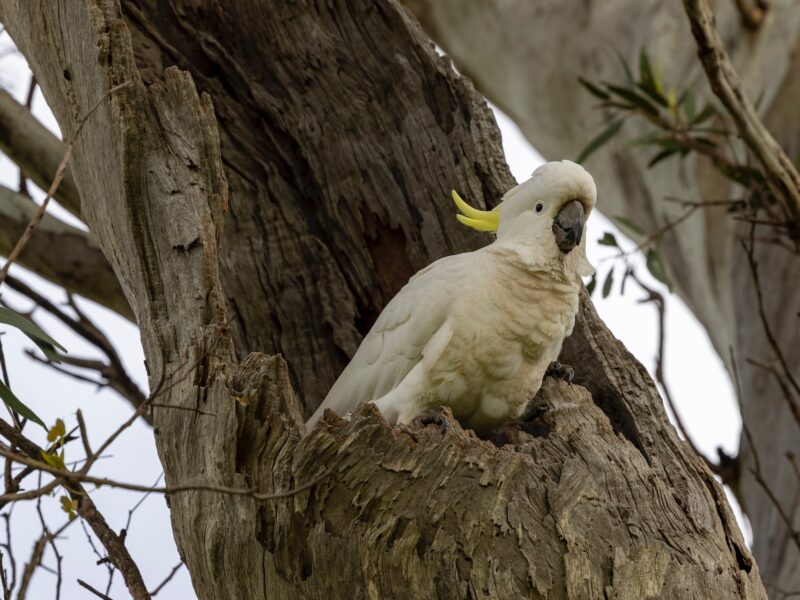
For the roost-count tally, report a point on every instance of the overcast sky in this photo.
(694, 372)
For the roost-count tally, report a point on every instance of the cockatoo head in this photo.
(542, 218)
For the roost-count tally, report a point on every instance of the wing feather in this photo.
(397, 339)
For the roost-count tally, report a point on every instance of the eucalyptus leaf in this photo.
(661, 156)
(608, 239)
(625, 69)
(608, 283)
(37, 335)
(648, 81)
(593, 89)
(705, 114)
(604, 136)
(634, 98)
(15, 404)
(656, 268)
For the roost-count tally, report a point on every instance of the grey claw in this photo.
(560, 371)
(434, 417)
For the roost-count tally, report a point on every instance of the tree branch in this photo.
(62, 254)
(35, 150)
(54, 185)
(780, 171)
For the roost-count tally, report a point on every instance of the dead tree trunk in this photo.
(276, 212)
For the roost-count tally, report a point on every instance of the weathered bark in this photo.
(35, 150)
(527, 57)
(339, 136)
(60, 253)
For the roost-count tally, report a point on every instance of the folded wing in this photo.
(397, 340)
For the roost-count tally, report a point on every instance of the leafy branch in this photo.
(679, 128)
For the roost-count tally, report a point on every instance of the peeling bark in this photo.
(339, 139)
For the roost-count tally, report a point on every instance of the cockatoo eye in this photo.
(539, 207)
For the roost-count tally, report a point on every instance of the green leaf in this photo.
(625, 276)
(15, 404)
(593, 89)
(608, 283)
(69, 506)
(656, 268)
(625, 69)
(654, 95)
(608, 239)
(705, 114)
(668, 143)
(703, 141)
(54, 460)
(608, 133)
(687, 102)
(628, 224)
(649, 82)
(592, 283)
(634, 98)
(45, 343)
(741, 174)
(661, 156)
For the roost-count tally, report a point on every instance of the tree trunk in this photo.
(515, 53)
(281, 219)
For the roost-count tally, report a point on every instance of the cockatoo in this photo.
(477, 331)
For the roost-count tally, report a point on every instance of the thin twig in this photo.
(7, 545)
(756, 472)
(762, 314)
(51, 540)
(139, 503)
(71, 476)
(87, 448)
(97, 593)
(657, 299)
(6, 591)
(167, 579)
(785, 389)
(655, 235)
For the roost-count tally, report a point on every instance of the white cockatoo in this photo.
(477, 331)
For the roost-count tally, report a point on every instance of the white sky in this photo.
(698, 383)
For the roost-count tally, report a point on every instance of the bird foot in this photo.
(560, 371)
(421, 421)
(433, 417)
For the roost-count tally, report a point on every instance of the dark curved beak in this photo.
(568, 225)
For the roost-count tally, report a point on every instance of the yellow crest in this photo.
(481, 220)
